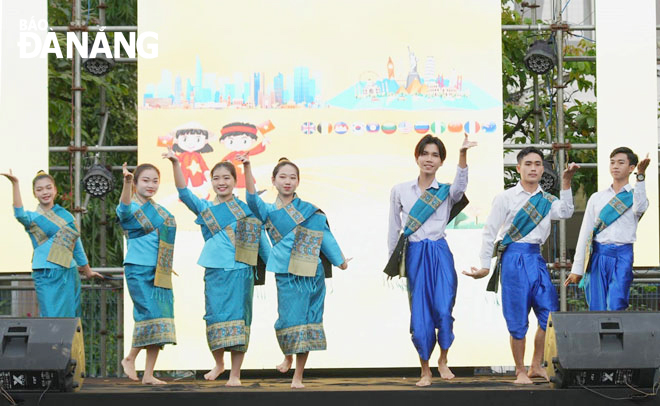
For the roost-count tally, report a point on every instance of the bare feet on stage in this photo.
(445, 372)
(129, 369)
(522, 378)
(425, 380)
(537, 372)
(286, 365)
(218, 369)
(297, 384)
(233, 382)
(427, 375)
(152, 380)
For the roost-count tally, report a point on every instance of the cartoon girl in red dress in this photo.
(239, 137)
(190, 142)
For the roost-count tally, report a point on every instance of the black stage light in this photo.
(98, 181)
(549, 181)
(99, 65)
(540, 57)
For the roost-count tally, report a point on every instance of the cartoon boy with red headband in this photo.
(239, 137)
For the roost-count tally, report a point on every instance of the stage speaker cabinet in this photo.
(40, 354)
(603, 349)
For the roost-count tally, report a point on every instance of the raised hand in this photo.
(476, 273)
(570, 170)
(643, 164)
(244, 158)
(170, 155)
(128, 176)
(10, 176)
(467, 144)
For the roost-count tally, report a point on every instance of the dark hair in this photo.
(228, 166)
(142, 168)
(632, 157)
(193, 131)
(42, 175)
(429, 139)
(237, 128)
(528, 150)
(283, 162)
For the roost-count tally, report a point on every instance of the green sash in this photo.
(526, 220)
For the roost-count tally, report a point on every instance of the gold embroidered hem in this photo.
(232, 335)
(154, 332)
(300, 339)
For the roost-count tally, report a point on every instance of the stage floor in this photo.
(472, 391)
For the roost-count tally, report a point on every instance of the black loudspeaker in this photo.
(38, 354)
(605, 349)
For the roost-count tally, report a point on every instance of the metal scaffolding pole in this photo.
(77, 115)
(559, 39)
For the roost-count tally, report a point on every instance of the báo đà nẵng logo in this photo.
(36, 42)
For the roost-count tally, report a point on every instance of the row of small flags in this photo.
(404, 127)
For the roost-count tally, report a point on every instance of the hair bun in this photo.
(283, 159)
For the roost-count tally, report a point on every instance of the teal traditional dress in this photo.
(57, 253)
(302, 254)
(233, 242)
(150, 230)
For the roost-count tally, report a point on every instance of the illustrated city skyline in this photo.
(301, 87)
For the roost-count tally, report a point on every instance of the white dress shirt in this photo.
(506, 206)
(622, 231)
(403, 197)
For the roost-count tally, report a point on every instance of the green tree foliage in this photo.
(121, 101)
(517, 94)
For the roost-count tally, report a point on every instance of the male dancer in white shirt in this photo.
(520, 219)
(421, 209)
(607, 235)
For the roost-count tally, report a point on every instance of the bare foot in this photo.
(537, 372)
(445, 372)
(296, 384)
(129, 369)
(286, 365)
(152, 381)
(522, 378)
(215, 372)
(233, 382)
(425, 381)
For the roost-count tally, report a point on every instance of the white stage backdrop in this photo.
(345, 89)
(23, 123)
(626, 73)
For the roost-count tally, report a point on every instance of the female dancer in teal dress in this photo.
(150, 230)
(233, 239)
(57, 249)
(302, 245)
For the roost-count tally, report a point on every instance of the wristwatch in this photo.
(640, 177)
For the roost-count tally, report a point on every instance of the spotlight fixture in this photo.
(549, 181)
(98, 181)
(540, 57)
(99, 65)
